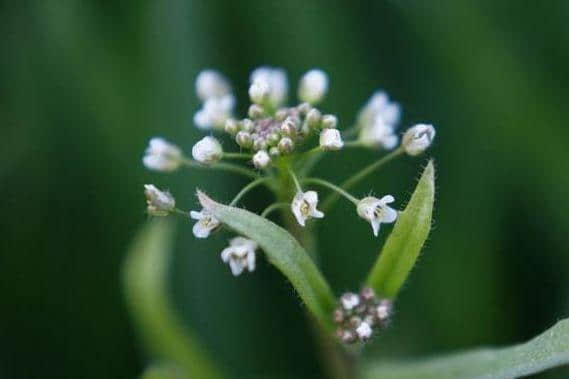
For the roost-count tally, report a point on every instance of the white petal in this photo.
(196, 215)
(375, 226)
(387, 199)
(311, 197)
(317, 214)
(251, 261)
(236, 267)
(389, 215)
(200, 230)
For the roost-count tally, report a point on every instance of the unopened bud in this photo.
(304, 108)
(286, 145)
(329, 121)
(367, 294)
(256, 111)
(281, 114)
(261, 159)
(313, 118)
(259, 143)
(207, 150)
(231, 126)
(288, 127)
(338, 316)
(418, 138)
(273, 139)
(274, 152)
(243, 139)
(259, 91)
(247, 125)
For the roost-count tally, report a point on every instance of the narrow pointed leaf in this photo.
(145, 279)
(284, 252)
(404, 244)
(549, 349)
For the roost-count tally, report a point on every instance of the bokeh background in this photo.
(85, 84)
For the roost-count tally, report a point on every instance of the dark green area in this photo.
(85, 84)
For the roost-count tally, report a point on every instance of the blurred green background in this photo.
(85, 84)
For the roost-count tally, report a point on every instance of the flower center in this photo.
(304, 208)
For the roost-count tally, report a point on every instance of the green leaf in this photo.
(548, 350)
(284, 252)
(163, 371)
(145, 278)
(406, 240)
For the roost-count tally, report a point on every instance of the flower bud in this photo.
(247, 125)
(261, 159)
(256, 111)
(243, 139)
(367, 294)
(330, 139)
(329, 121)
(286, 145)
(313, 118)
(259, 143)
(207, 150)
(288, 127)
(259, 91)
(159, 203)
(313, 86)
(273, 139)
(418, 138)
(274, 152)
(303, 109)
(364, 331)
(281, 114)
(231, 126)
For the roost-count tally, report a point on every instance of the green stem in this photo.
(295, 180)
(333, 187)
(181, 212)
(237, 156)
(222, 166)
(356, 178)
(273, 207)
(247, 188)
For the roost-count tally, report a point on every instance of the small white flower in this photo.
(330, 139)
(205, 225)
(313, 86)
(349, 301)
(259, 91)
(159, 203)
(418, 138)
(240, 255)
(161, 155)
(207, 150)
(364, 331)
(211, 83)
(376, 211)
(276, 80)
(379, 133)
(261, 159)
(214, 112)
(380, 105)
(303, 206)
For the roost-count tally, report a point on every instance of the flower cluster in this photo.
(359, 314)
(280, 145)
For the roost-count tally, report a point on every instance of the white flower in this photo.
(364, 331)
(211, 83)
(378, 120)
(207, 150)
(303, 206)
(379, 133)
(206, 223)
(259, 91)
(330, 139)
(418, 138)
(313, 86)
(214, 112)
(379, 105)
(161, 155)
(276, 81)
(376, 211)
(159, 203)
(261, 159)
(349, 301)
(240, 255)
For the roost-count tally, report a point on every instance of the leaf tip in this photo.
(206, 202)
